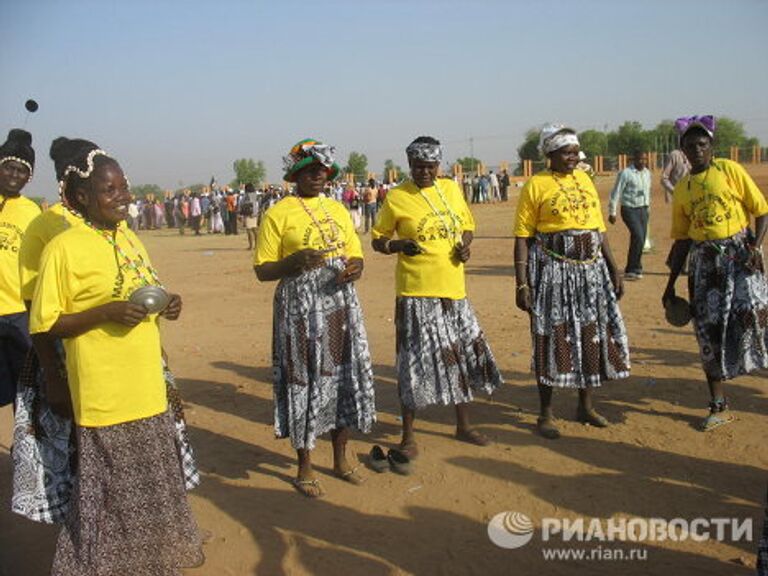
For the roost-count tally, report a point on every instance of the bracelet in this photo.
(387, 249)
(523, 262)
(522, 287)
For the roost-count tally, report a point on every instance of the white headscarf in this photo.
(556, 136)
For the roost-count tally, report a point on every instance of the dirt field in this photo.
(652, 462)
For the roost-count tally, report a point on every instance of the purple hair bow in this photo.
(707, 123)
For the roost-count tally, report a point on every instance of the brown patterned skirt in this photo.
(579, 338)
(128, 514)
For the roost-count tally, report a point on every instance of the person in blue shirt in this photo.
(633, 192)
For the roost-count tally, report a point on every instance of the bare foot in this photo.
(309, 487)
(348, 474)
(409, 448)
(472, 436)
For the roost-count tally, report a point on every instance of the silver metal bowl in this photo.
(153, 298)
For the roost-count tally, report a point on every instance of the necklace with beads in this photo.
(575, 200)
(703, 183)
(134, 264)
(332, 243)
(453, 229)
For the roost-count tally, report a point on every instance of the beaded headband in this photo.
(20, 161)
(89, 160)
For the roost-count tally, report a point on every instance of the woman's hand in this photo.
(124, 312)
(173, 310)
(406, 246)
(461, 252)
(668, 295)
(57, 392)
(523, 298)
(304, 260)
(618, 283)
(352, 272)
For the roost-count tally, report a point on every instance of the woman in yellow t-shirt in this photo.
(17, 160)
(322, 365)
(128, 500)
(442, 354)
(567, 280)
(727, 288)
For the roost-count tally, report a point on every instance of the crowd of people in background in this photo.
(81, 283)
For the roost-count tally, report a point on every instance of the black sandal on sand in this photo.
(399, 462)
(547, 428)
(377, 460)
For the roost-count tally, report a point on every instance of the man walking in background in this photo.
(633, 191)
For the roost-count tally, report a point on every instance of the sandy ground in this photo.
(652, 462)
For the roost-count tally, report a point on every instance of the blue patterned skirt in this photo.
(729, 304)
(323, 377)
(442, 354)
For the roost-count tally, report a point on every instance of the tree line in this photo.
(627, 138)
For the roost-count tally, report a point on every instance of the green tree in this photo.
(593, 143)
(357, 164)
(390, 165)
(142, 190)
(729, 133)
(529, 149)
(468, 164)
(629, 137)
(248, 171)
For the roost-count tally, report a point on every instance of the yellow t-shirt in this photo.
(115, 372)
(43, 228)
(14, 220)
(434, 273)
(716, 203)
(287, 228)
(552, 202)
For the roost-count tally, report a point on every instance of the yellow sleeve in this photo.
(527, 212)
(29, 261)
(681, 224)
(385, 221)
(49, 299)
(751, 196)
(268, 240)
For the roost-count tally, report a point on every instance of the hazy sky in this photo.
(176, 90)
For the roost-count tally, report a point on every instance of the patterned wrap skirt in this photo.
(442, 354)
(323, 377)
(128, 513)
(579, 338)
(729, 304)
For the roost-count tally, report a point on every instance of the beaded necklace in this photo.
(332, 243)
(455, 221)
(131, 263)
(703, 181)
